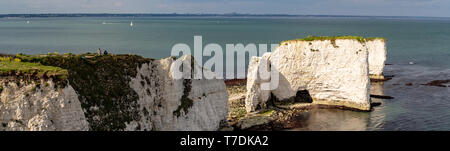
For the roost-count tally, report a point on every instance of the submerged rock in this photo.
(381, 97)
(438, 83)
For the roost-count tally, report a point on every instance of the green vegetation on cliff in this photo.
(312, 38)
(11, 67)
(334, 38)
(30, 71)
(375, 38)
(186, 102)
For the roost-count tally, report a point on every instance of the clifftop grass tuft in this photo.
(312, 38)
(334, 38)
(375, 38)
(7, 67)
(13, 66)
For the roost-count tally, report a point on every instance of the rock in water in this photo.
(154, 100)
(377, 57)
(332, 71)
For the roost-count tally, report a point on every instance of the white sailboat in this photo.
(131, 24)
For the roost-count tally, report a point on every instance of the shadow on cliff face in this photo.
(302, 96)
(285, 88)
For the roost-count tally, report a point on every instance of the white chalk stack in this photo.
(329, 70)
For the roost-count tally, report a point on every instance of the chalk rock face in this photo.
(180, 104)
(163, 103)
(256, 97)
(377, 57)
(40, 107)
(330, 72)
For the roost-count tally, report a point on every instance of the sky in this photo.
(436, 8)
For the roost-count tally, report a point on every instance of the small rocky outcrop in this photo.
(325, 70)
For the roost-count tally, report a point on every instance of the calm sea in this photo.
(423, 41)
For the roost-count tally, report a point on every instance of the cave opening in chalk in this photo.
(302, 96)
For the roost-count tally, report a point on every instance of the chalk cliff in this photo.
(377, 57)
(179, 104)
(330, 71)
(109, 93)
(257, 97)
(40, 107)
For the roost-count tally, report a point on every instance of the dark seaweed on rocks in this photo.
(381, 96)
(438, 83)
(102, 84)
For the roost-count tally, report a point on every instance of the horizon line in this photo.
(31, 15)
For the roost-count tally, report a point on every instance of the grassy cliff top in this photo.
(59, 67)
(313, 38)
(334, 38)
(28, 67)
(375, 38)
(12, 66)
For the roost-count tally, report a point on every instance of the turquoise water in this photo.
(424, 41)
(416, 107)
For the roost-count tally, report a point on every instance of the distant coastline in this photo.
(48, 15)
